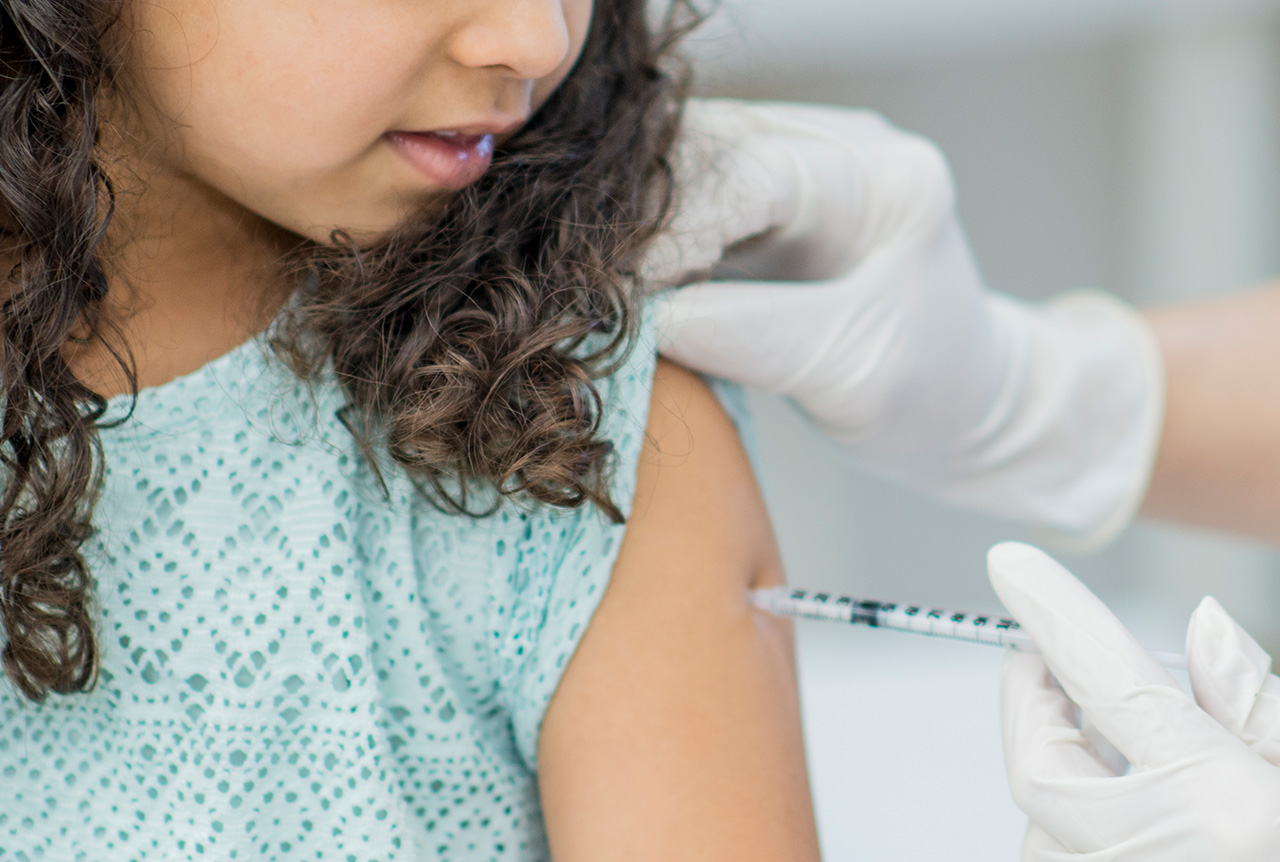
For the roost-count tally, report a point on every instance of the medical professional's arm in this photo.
(1219, 459)
(675, 733)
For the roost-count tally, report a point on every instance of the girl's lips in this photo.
(452, 161)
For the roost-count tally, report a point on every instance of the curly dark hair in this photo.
(467, 340)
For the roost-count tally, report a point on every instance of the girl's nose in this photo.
(529, 37)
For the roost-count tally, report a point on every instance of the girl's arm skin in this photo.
(675, 733)
(1219, 460)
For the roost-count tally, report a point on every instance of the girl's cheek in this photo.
(252, 73)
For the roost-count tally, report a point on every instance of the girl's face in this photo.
(298, 110)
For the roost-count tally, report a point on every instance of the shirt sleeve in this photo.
(544, 599)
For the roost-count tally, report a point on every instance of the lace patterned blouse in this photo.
(295, 665)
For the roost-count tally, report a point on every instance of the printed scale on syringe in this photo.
(913, 619)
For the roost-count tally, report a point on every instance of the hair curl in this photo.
(467, 340)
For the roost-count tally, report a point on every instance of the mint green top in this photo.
(294, 665)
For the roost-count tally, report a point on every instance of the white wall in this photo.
(1126, 145)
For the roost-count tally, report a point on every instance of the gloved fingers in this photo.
(1040, 846)
(733, 181)
(695, 241)
(907, 177)
(819, 187)
(818, 238)
(671, 259)
(1105, 749)
(1130, 698)
(1228, 669)
(745, 330)
(722, 327)
(1057, 777)
(1232, 679)
(1042, 735)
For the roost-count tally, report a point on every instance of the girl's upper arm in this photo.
(675, 731)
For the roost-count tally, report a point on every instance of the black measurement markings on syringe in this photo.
(911, 619)
(868, 613)
(953, 620)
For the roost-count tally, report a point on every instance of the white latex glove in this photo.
(740, 176)
(1232, 679)
(1197, 791)
(1046, 415)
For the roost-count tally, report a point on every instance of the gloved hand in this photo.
(1232, 679)
(1048, 415)
(1204, 785)
(751, 193)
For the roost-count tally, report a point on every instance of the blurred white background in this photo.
(1132, 145)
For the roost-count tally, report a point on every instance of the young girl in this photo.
(336, 522)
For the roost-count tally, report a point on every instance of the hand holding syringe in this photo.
(914, 619)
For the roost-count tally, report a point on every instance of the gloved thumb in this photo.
(741, 330)
(1232, 679)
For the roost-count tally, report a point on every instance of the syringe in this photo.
(914, 619)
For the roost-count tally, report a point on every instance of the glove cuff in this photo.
(1065, 439)
(1123, 468)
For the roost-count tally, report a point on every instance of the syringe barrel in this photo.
(955, 625)
(915, 619)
